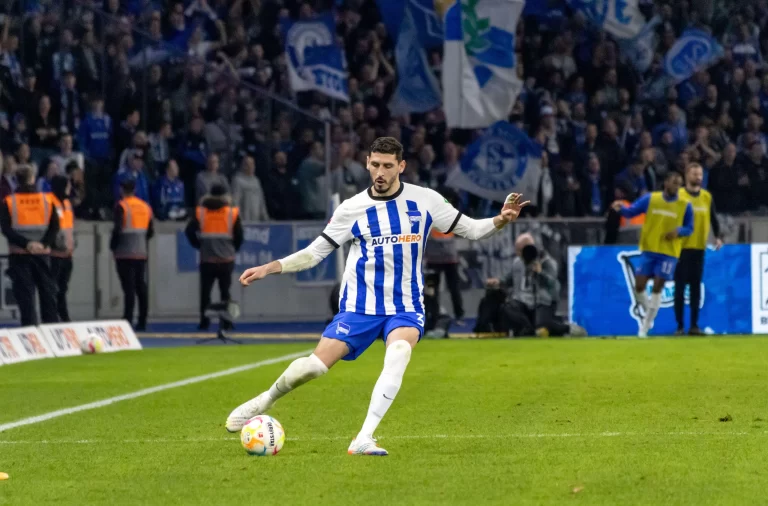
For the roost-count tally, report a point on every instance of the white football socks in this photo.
(395, 361)
(299, 372)
(642, 300)
(653, 309)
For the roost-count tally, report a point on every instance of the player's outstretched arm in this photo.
(480, 229)
(299, 261)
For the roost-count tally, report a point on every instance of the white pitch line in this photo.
(147, 391)
(424, 436)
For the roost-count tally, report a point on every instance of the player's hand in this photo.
(253, 274)
(718, 244)
(617, 206)
(512, 207)
(536, 267)
(672, 234)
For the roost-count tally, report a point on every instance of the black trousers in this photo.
(452, 279)
(133, 279)
(689, 271)
(524, 321)
(30, 273)
(61, 268)
(209, 274)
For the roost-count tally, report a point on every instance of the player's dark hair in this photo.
(671, 174)
(388, 146)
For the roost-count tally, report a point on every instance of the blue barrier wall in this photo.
(602, 296)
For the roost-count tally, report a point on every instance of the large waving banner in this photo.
(502, 161)
(480, 83)
(315, 61)
(620, 18)
(695, 50)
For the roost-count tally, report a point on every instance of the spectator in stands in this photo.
(194, 153)
(282, 190)
(47, 173)
(78, 191)
(755, 165)
(595, 189)
(247, 193)
(160, 144)
(730, 182)
(44, 128)
(23, 155)
(348, 177)
(95, 134)
(29, 95)
(168, 197)
(66, 154)
(569, 200)
(68, 103)
(134, 171)
(312, 183)
(8, 182)
(209, 177)
(140, 142)
(127, 130)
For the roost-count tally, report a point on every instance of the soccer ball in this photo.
(263, 436)
(92, 344)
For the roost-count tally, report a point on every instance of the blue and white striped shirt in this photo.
(383, 275)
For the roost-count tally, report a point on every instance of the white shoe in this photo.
(364, 445)
(642, 333)
(256, 406)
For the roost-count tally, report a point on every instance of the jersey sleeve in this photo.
(444, 215)
(339, 229)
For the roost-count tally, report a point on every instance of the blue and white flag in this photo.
(480, 83)
(428, 24)
(417, 88)
(502, 161)
(639, 51)
(620, 18)
(315, 61)
(695, 50)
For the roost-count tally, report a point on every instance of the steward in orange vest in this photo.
(133, 229)
(217, 231)
(61, 251)
(29, 221)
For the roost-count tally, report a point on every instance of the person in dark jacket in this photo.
(29, 221)
(217, 231)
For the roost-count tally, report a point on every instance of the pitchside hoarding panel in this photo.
(734, 291)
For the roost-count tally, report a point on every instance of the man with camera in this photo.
(533, 293)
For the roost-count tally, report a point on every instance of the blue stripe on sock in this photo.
(397, 249)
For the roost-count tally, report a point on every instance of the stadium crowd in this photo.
(171, 94)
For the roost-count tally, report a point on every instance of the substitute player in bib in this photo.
(690, 268)
(668, 218)
(382, 288)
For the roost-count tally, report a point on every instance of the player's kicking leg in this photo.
(642, 300)
(301, 370)
(400, 342)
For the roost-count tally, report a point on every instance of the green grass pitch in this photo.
(512, 422)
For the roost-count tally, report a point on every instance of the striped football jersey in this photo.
(383, 275)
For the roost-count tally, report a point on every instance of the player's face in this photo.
(694, 178)
(385, 171)
(672, 185)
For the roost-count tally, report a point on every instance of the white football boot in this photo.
(364, 445)
(256, 406)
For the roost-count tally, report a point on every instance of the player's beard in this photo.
(382, 186)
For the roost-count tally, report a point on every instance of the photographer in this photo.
(533, 293)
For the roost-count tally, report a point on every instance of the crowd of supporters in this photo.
(184, 95)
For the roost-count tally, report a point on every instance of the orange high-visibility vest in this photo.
(65, 242)
(132, 242)
(637, 221)
(30, 217)
(217, 233)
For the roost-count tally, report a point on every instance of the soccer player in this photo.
(690, 268)
(382, 288)
(668, 218)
